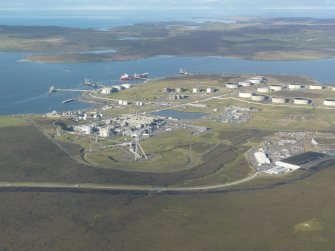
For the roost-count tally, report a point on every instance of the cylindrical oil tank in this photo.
(316, 87)
(255, 81)
(117, 87)
(329, 102)
(301, 101)
(245, 94)
(244, 84)
(264, 89)
(295, 86)
(275, 88)
(279, 100)
(258, 97)
(231, 86)
(195, 90)
(126, 86)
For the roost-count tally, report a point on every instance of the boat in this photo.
(127, 77)
(183, 72)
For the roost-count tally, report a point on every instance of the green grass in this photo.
(10, 121)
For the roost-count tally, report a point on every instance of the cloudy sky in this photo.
(96, 5)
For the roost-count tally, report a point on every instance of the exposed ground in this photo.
(255, 39)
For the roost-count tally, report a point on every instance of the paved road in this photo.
(126, 188)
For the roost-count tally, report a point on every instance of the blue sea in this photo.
(24, 85)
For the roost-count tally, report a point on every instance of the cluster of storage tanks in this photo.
(115, 88)
(252, 81)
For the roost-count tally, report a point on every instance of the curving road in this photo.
(125, 188)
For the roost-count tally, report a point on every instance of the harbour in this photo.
(27, 85)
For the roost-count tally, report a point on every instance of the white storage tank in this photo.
(258, 97)
(195, 90)
(263, 89)
(333, 89)
(295, 86)
(275, 88)
(279, 100)
(106, 90)
(301, 101)
(117, 87)
(231, 86)
(329, 102)
(180, 89)
(244, 84)
(316, 87)
(245, 94)
(255, 81)
(125, 86)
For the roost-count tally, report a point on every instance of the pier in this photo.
(53, 89)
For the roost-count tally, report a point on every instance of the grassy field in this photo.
(6, 121)
(292, 217)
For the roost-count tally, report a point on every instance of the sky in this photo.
(108, 13)
(105, 5)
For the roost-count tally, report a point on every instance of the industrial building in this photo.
(261, 158)
(195, 90)
(278, 170)
(304, 160)
(180, 89)
(209, 90)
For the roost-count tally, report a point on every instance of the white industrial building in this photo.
(104, 132)
(209, 90)
(278, 170)
(195, 90)
(290, 166)
(83, 129)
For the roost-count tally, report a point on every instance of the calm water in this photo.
(24, 85)
(180, 115)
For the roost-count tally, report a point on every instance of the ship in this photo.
(127, 77)
(183, 72)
